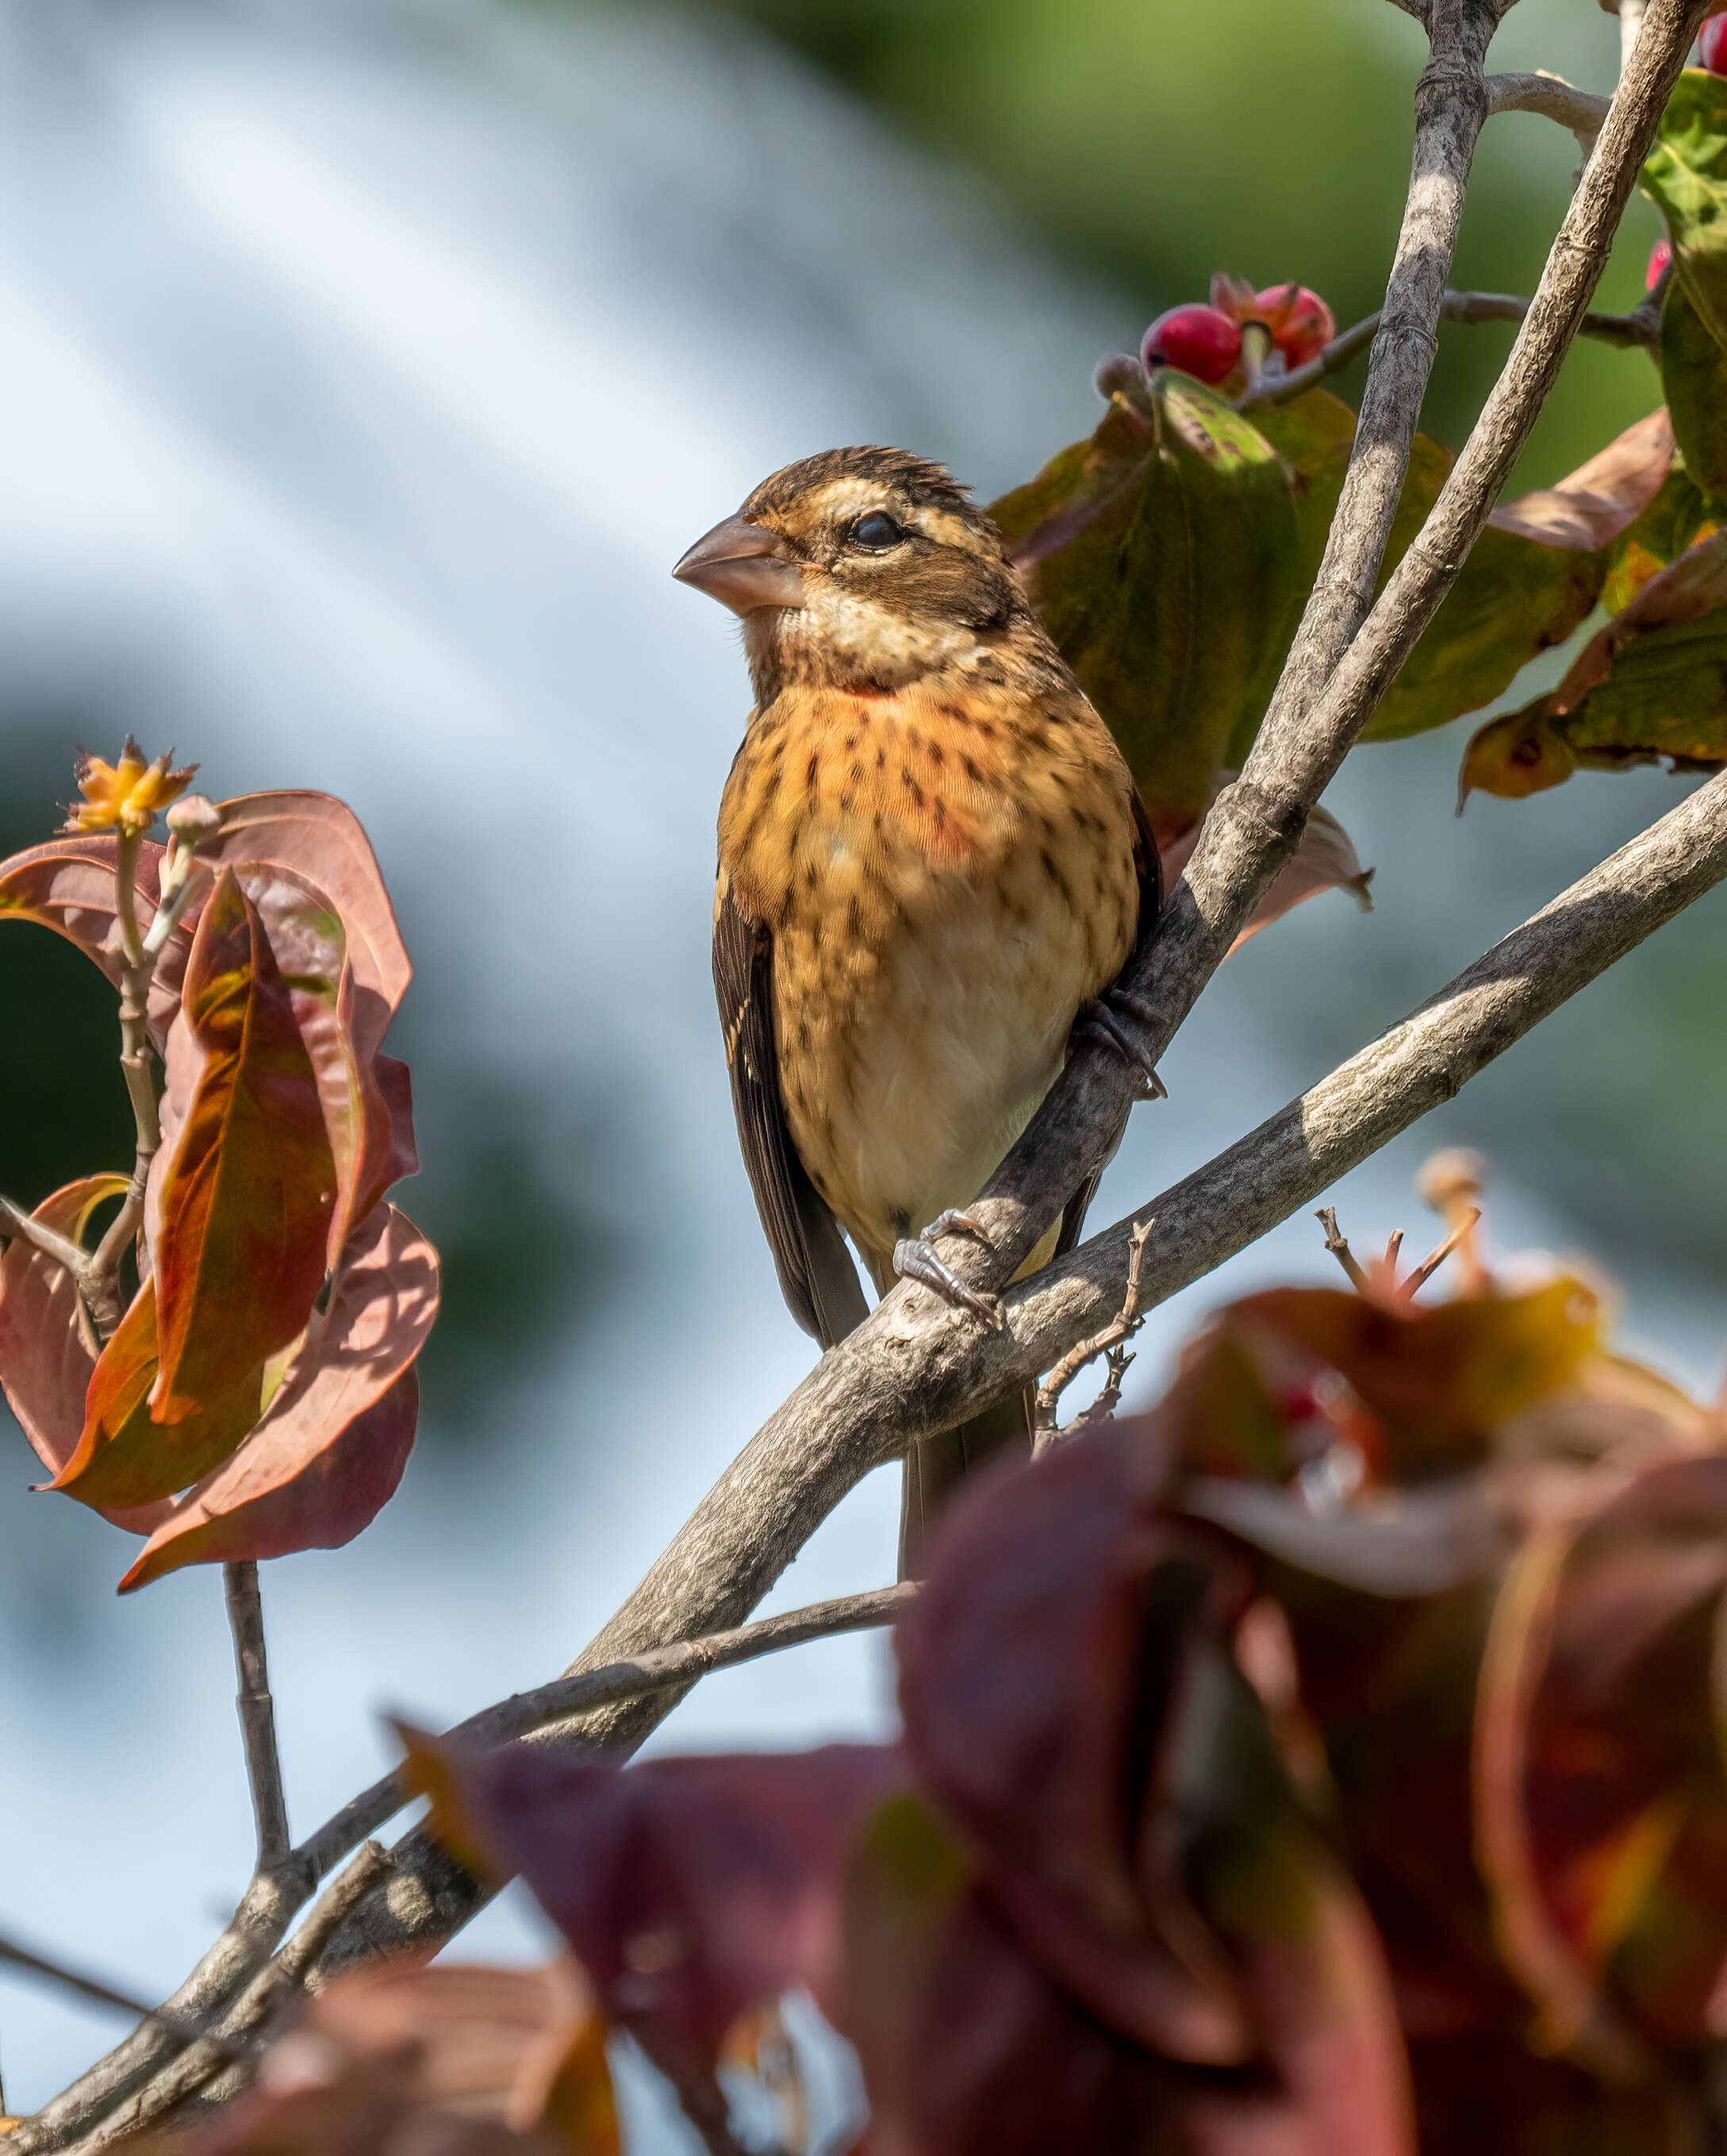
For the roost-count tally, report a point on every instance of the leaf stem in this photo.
(258, 1712)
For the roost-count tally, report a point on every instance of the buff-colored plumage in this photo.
(931, 859)
(948, 871)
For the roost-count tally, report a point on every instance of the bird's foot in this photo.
(915, 1259)
(1119, 1023)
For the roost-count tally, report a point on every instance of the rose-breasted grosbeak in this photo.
(932, 860)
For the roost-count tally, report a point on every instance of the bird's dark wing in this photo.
(816, 1275)
(1150, 875)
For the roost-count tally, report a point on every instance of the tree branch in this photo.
(911, 1369)
(258, 1712)
(263, 1999)
(272, 1899)
(93, 1988)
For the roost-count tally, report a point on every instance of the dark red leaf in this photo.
(1602, 1799)
(1041, 1671)
(691, 1889)
(968, 2047)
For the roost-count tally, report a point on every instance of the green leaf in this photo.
(1694, 368)
(1678, 516)
(1687, 174)
(1164, 556)
(1652, 683)
(1533, 576)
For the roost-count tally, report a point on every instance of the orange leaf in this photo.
(247, 1198)
(330, 1447)
(124, 1459)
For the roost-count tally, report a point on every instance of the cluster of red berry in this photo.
(1209, 341)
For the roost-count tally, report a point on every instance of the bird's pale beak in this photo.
(744, 565)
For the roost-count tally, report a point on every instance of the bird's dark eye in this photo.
(876, 531)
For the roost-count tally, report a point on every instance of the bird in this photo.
(932, 863)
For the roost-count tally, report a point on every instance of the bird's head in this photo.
(862, 569)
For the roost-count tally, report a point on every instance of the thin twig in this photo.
(1338, 1245)
(1436, 1257)
(263, 2000)
(271, 1901)
(1640, 330)
(1391, 1249)
(14, 1221)
(1550, 96)
(105, 1994)
(257, 1710)
(1126, 1322)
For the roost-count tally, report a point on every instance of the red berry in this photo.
(1300, 323)
(1712, 45)
(1660, 257)
(1201, 341)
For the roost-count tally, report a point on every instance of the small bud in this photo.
(1201, 341)
(195, 821)
(125, 795)
(1120, 374)
(1450, 1180)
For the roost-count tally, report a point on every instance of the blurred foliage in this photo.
(1154, 144)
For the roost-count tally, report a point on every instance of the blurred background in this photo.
(364, 366)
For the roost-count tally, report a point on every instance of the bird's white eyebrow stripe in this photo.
(849, 497)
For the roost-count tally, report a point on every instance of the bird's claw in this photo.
(1114, 1020)
(915, 1259)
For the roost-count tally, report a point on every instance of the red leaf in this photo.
(1591, 506)
(44, 1365)
(332, 1444)
(449, 2060)
(1426, 1386)
(968, 2047)
(248, 1195)
(124, 1459)
(319, 840)
(1039, 1669)
(691, 1889)
(68, 885)
(1315, 1979)
(1601, 1802)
